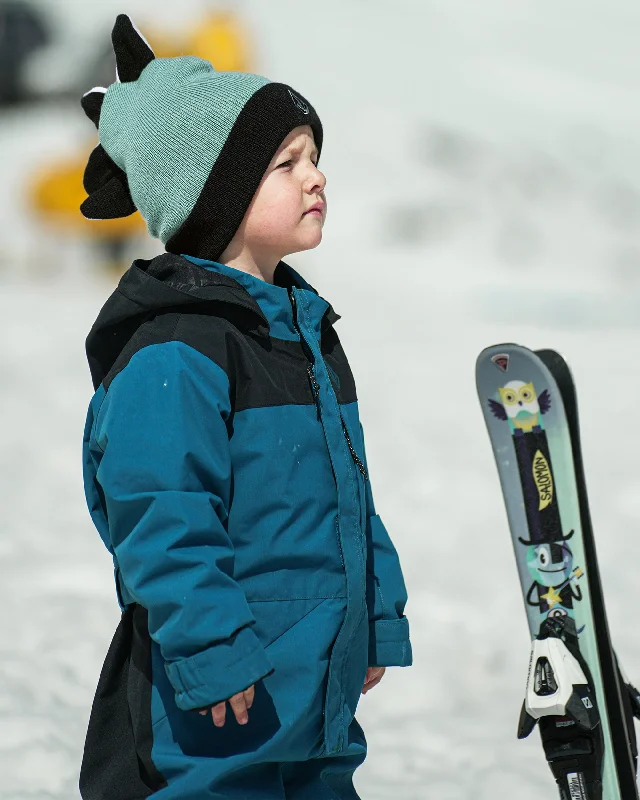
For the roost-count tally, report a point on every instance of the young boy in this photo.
(224, 459)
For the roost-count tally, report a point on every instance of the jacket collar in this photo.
(171, 283)
(271, 301)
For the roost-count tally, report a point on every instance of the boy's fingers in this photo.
(219, 712)
(372, 672)
(239, 706)
(239, 703)
(370, 686)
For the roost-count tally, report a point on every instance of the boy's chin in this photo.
(307, 242)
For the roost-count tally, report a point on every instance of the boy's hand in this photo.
(240, 703)
(373, 678)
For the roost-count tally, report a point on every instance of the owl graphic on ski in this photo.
(521, 407)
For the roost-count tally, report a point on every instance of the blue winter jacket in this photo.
(225, 471)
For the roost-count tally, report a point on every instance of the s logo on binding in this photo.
(298, 102)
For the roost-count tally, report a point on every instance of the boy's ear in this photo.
(132, 50)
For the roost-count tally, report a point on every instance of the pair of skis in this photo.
(576, 692)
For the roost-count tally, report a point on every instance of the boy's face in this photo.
(278, 221)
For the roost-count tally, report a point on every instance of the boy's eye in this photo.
(290, 161)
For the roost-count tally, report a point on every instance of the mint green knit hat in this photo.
(184, 144)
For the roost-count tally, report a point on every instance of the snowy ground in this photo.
(485, 188)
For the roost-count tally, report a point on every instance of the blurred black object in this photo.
(23, 30)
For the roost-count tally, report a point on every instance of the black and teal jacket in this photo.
(225, 470)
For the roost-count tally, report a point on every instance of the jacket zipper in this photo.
(315, 387)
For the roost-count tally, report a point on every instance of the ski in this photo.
(576, 693)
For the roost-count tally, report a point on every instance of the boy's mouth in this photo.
(316, 208)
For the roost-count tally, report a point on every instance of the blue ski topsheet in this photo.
(527, 425)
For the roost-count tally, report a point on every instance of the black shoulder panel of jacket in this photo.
(262, 371)
(173, 285)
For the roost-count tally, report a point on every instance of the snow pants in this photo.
(132, 752)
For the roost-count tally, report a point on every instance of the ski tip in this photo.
(555, 363)
(489, 352)
(498, 355)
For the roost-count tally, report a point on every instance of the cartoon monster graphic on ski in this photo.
(554, 586)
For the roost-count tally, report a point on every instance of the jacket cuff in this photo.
(389, 644)
(219, 672)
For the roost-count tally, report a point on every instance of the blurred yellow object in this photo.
(221, 39)
(56, 194)
(218, 37)
(164, 45)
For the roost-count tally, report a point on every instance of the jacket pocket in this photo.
(286, 719)
(275, 618)
(299, 638)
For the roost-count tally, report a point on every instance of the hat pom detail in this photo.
(132, 50)
(104, 181)
(107, 187)
(92, 103)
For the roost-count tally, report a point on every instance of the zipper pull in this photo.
(315, 390)
(315, 386)
(354, 455)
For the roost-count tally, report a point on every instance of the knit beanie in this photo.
(184, 144)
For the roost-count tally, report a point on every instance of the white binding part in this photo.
(567, 674)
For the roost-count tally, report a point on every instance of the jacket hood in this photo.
(170, 282)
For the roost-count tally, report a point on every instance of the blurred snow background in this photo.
(483, 165)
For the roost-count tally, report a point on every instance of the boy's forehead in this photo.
(298, 138)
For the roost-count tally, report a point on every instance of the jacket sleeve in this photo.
(165, 474)
(389, 644)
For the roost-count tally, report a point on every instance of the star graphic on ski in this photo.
(552, 598)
